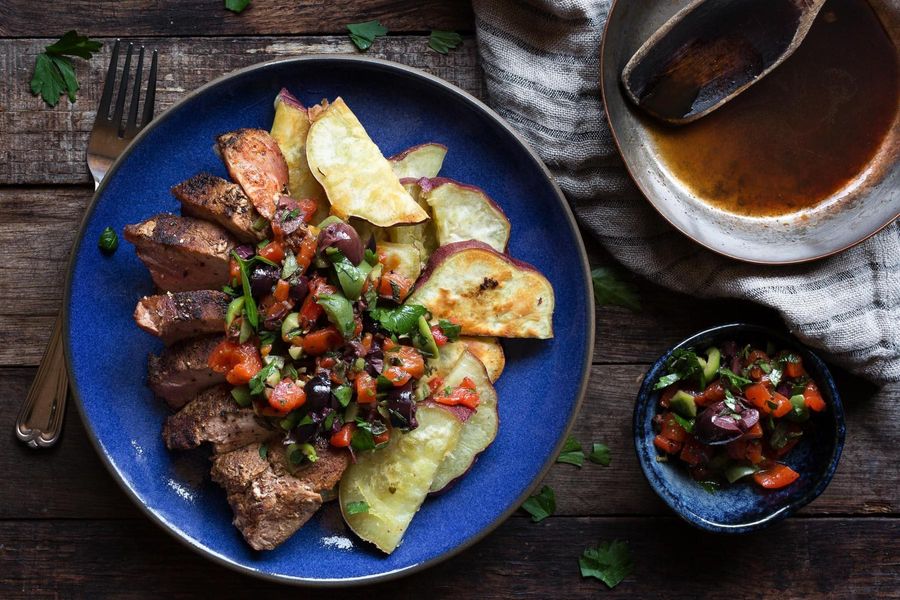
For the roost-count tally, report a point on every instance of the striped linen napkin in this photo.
(541, 60)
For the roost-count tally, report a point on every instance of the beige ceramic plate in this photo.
(867, 204)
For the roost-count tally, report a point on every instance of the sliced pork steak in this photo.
(182, 371)
(255, 161)
(215, 199)
(270, 501)
(174, 316)
(182, 253)
(214, 416)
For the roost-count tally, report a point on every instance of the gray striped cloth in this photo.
(541, 62)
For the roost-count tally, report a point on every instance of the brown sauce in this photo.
(802, 133)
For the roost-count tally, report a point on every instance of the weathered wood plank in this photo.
(866, 482)
(208, 17)
(835, 558)
(38, 227)
(42, 145)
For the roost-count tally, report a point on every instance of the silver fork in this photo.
(40, 419)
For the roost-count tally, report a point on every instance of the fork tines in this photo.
(129, 128)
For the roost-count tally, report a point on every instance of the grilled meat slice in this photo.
(174, 316)
(182, 253)
(271, 502)
(213, 416)
(212, 198)
(182, 371)
(255, 161)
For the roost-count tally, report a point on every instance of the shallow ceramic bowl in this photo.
(107, 353)
(852, 214)
(743, 506)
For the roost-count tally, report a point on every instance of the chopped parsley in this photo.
(449, 329)
(109, 241)
(610, 562)
(53, 72)
(444, 41)
(363, 34)
(541, 505)
(401, 320)
(571, 453)
(610, 290)
(600, 454)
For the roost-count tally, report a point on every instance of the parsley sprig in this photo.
(53, 72)
(611, 290)
(610, 562)
(444, 41)
(363, 34)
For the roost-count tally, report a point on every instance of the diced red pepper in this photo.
(322, 340)
(714, 392)
(813, 398)
(671, 430)
(775, 477)
(394, 285)
(383, 437)
(273, 251)
(365, 389)
(282, 290)
(794, 369)
(666, 445)
(438, 334)
(287, 396)
(239, 362)
(343, 436)
(410, 364)
(465, 395)
(759, 396)
(783, 407)
(693, 452)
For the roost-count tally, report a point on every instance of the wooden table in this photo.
(66, 530)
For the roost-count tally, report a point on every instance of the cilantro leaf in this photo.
(610, 562)
(354, 508)
(733, 379)
(450, 329)
(600, 454)
(263, 451)
(444, 41)
(609, 290)
(53, 72)
(571, 453)
(237, 6)
(683, 364)
(541, 505)
(343, 394)
(400, 320)
(363, 34)
(339, 311)
(72, 44)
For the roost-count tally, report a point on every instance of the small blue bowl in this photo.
(743, 507)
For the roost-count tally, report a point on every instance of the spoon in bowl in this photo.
(711, 51)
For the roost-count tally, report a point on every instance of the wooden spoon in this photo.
(711, 51)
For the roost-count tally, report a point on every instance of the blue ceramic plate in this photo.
(540, 390)
(743, 506)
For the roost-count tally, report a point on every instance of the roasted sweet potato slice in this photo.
(424, 160)
(478, 430)
(290, 129)
(358, 179)
(422, 236)
(486, 292)
(464, 212)
(393, 481)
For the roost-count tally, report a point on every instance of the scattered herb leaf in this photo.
(401, 320)
(684, 364)
(735, 381)
(339, 311)
(571, 453)
(343, 394)
(600, 454)
(263, 451)
(610, 290)
(53, 71)
(237, 6)
(610, 562)
(109, 241)
(450, 329)
(541, 505)
(363, 34)
(444, 41)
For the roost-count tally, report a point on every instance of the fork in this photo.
(40, 419)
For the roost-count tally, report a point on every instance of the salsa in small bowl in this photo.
(737, 427)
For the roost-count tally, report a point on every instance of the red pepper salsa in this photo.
(732, 413)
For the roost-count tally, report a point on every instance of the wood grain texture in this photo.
(43, 145)
(31, 479)
(169, 18)
(813, 558)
